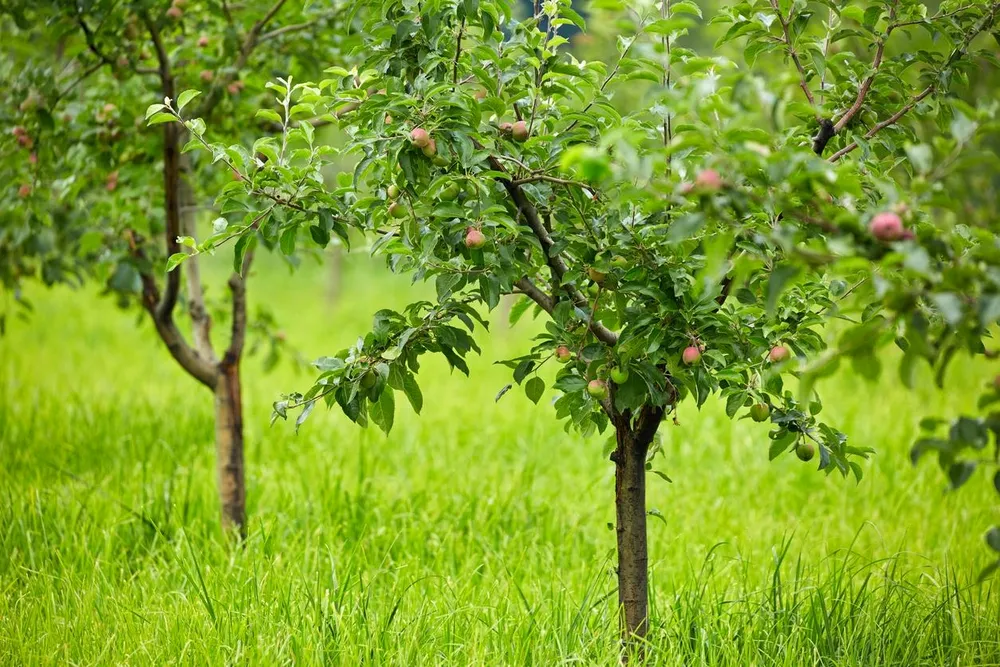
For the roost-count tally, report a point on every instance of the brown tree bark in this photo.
(229, 449)
(633, 438)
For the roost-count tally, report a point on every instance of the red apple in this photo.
(24, 190)
(691, 355)
(886, 226)
(474, 239)
(598, 389)
(203, 41)
(708, 180)
(419, 137)
(207, 75)
(778, 354)
(519, 131)
(563, 354)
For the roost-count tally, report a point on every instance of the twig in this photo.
(867, 83)
(885, 123)
(794, 56)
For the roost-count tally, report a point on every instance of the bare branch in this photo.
(537, 176)
(891, 120)
(867, 83)
(532, 291)
(200, 369)
(278, 32)
(555, 262)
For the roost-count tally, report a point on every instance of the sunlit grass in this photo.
(476, 533)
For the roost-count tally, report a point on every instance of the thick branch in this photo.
(200, 369)
(554, 261)
(545, 302)
(238, 288)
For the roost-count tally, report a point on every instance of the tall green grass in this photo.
(475, 534)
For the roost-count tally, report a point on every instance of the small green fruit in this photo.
(597, 276)
(450, 192)
(430, 148)
(397, 210)
(619, 375)
(369, 379)
(805, 451)
(619, 262)
(597, 389)
(520, 131)
(759, 412)
(563, 354)
(392, 191)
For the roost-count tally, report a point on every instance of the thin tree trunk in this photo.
(229, 449)
(630, 509)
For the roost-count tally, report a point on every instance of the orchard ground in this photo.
(475, 535)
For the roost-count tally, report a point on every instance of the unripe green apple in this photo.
(759, 412)
(397, 210)
(430, 149)
(449, 192)
(597, 276)
(369, 379)
(619, 262)
(805, 451)
(392, 191)
(598, 389)
(563, 354)
(619, 375)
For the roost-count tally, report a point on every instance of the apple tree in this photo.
(90, 192)
(698, 244)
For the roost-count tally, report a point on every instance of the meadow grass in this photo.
(475, 534)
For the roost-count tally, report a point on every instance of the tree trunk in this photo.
(630, 510)
(229, 449)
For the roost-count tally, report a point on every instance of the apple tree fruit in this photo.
(90, 192)
(698, 243)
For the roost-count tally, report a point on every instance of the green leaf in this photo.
(154, 108)
(780, 277)
(162, 117)
(960, 472)
(534, 389)
(383, 411)
(993, 538)
(412, 391)
(174, 260)
(269, 114)
(185, 97)
(244, 245)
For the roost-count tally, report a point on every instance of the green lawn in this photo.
(476, 534)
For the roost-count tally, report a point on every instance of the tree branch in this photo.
(878, 127)
(867, 83)
(545, 302)
(554, 261)
(237, 337)
(278, 32)
(200, 369)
